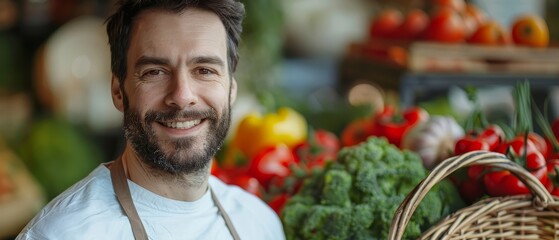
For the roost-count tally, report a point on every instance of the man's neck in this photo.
(187, 187)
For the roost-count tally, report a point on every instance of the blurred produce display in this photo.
(72, 75)
(21, 196)
(518, 140)
(316, 179)
(261, 47)
(457, 36)
(58, 154)
(322, 28)
(334, 161)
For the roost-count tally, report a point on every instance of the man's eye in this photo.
(204, 71)
(154, 72)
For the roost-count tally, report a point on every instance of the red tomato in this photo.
(552, 167)
(471, 190)
(458, 5)
(271, 162)
(530, 30)
(539, 143)
(325, 140)
(413, 25)
(555, 128)
(518, 147)
(493, 135)
(490, 33)
(357, 131)
(489, 139)
(469, 144)
(320, 147)
(278, 202)
(474, 172)
(446, 25)
(501, 183)
(385, 24)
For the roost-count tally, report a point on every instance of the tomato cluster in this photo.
(455, 21)
(530, 150)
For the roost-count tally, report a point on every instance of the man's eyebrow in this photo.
(207, 59)
(146, 60)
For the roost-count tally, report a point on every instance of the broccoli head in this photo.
(356, 196)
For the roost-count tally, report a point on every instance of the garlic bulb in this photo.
(433, 139)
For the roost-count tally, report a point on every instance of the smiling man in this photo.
(172, 64)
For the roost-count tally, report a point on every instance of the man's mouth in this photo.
(182, 125)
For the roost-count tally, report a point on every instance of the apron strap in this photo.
(122, 191)
(120, 184)
(228, 221)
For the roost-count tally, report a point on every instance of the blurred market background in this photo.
(318, 57)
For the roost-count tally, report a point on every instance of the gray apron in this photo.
(122, 191)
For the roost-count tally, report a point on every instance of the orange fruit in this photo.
(490, 33)
(530, 30)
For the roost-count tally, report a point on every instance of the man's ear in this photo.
(233, 90)
(117, 94)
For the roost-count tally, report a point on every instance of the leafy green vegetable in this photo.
(356, 196)
(58, 155)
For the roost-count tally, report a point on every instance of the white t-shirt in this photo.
(90, 210)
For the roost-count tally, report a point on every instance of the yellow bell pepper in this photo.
(255, 132)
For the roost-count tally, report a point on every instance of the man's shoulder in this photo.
(90, 201)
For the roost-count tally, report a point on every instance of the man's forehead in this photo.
(156, 30)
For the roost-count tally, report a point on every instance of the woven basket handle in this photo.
(448, 166)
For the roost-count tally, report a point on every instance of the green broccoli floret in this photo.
(335, 190)
(356, 196)
(361, 217)
(293, 216)
(327, 222)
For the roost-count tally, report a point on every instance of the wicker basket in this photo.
(533, 216)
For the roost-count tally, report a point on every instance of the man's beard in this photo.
(184, 158)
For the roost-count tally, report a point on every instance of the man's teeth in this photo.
(182, 125)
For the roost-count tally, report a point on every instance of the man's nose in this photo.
(182, 93)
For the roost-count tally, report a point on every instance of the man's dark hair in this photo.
(119, 25)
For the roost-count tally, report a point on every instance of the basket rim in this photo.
(540, 198)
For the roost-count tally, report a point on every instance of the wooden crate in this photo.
(436, 57)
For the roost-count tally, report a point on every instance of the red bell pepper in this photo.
(393, 125)
(357, 131)
(272, 162)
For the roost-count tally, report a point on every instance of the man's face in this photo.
(177, 94)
